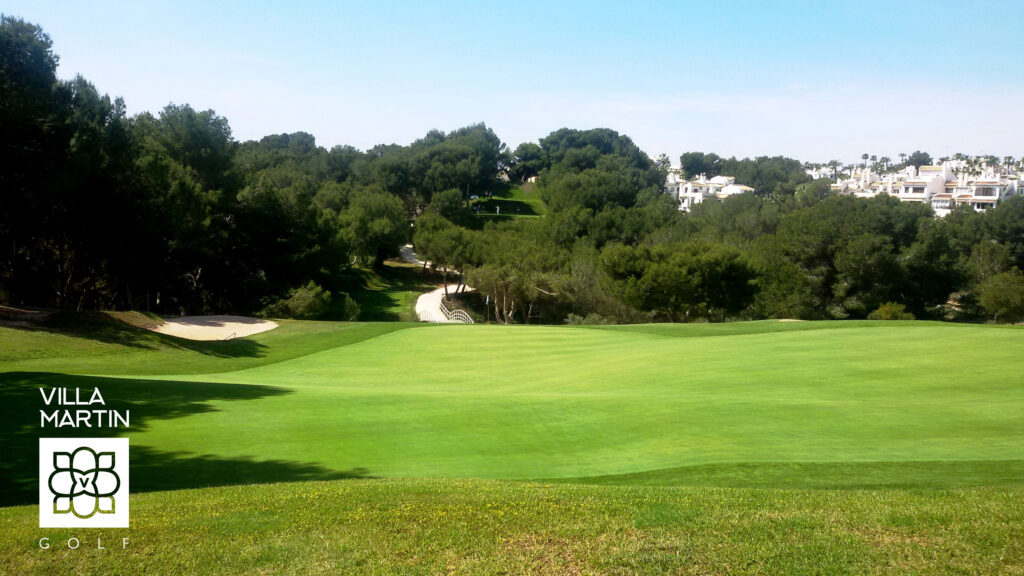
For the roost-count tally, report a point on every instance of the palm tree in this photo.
(885, 162)
(864, 157)
(903, 157)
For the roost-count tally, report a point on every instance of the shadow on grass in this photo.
(508, 207)
(378, 292)
(147, 400)
(104, 328)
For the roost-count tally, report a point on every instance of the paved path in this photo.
(409, 255)
(428, 306)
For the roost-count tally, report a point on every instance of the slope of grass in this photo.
(753, 448)
(547, 402)
(489, 527)
(100, 343)
(563, 402)
(515, 202)
(389, 294)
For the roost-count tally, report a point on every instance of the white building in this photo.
(942, 187)
(691, 192)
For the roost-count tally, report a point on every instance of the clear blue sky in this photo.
(812, 80)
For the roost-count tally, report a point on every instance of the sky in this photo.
(816, 80)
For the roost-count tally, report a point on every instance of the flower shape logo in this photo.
(83, 482)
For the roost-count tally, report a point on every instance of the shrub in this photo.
(891, 311)
(592, 318)
(311, 302)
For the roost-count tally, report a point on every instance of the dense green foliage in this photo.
(169, 213)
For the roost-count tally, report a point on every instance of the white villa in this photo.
(691, 192)
(942, 187)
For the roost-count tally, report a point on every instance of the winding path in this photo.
(428, 306)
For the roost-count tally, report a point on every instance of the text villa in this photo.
(79, 418)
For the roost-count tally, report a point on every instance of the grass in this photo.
(763, 447)
(522, 201)
(401, 526)
(389, 294)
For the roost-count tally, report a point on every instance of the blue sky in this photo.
(812, 80)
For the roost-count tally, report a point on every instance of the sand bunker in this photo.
(213, 327)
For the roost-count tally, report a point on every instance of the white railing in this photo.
(461, 316)
(456, 315)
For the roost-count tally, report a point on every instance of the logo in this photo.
(83, 482)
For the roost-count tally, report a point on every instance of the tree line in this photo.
(614, 248)
(168, 212)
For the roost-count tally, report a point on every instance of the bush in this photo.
(591, 319)
(311, 302)
(344, 308)
(891, 311)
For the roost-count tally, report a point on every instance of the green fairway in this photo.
(761, 447)
(644, 403)
(515, 202)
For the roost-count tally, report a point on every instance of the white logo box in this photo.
(83, 483)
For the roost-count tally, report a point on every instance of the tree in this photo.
(527, 161)
(378, 225)
(448, 203)
(663, 163)
(694, 164)
(810, 192)
(1002, 295)
(918, 159)
(33, 146)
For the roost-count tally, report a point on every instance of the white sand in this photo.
(214, 327)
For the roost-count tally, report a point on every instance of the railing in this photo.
(461, 316)
(456, 315)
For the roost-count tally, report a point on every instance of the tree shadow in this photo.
(509, 208)
(103, 328)
(147, 400)
(377, 293)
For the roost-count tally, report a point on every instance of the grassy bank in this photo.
(490, 527)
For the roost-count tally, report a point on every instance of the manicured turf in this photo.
(536, 402)
(490, 527)
(515, 202)
(856, 445)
